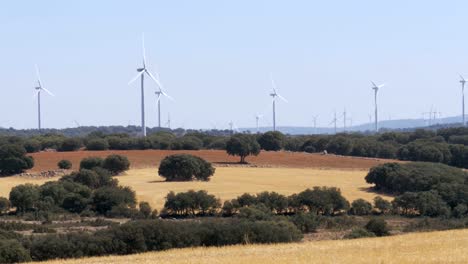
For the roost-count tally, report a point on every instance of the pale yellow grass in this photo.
(229, 182)
(434, 247)
(6, 183)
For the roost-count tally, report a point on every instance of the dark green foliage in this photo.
(306, 222)
(191, 203)
(64, 164)
(242, 145)
(255, 213)
(360, 207)
(145, 209)
(13, 159)
(382, 205)
(185, 167)
(25, 197)
(116, 164)
(4, 205)
(32, 145)
(378, 227)
(428, 203)
(340, 145)
(91, 162)
(11, 251)
(70, 144)
(94, 179)
(106, 198)
(415, 176)
(359, 233)
(97, 144)
(322, 200)
(272, 140)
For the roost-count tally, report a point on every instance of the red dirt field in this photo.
(150, 158)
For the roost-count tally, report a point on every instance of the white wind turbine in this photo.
(376, 89)
(274, 94)
(159, 94)
(463, 82)
(39, 89)
(141, 74)
(257, 120)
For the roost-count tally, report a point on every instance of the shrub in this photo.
(32, 145)
(272, 140)
(116, 164)
(383, 205)
(70, 144)
(306, 222)
(64, 164)
(185, 167)
(4, 205)
(90, 163)
(360, 207)
(24, 197)
(191, 203)
(359, 233)
(11, 251)
(322, 200)
(428, 203)
(255, 213)
(145, 209)
(105, 198)
(242, 145)
(97, 144)
(378, 227)
(13, 159)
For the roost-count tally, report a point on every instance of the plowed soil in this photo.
(150, 158)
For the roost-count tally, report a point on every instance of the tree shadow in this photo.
(373, 190)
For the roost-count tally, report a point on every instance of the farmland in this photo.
(432, 247)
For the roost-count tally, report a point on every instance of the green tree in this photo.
(13, 159)
(90, 163)
(272, 140)
(378, 226)
(185, 167)
(116, 164)
(242, 145)
(24, 197)
(360, 207)
(64, 164)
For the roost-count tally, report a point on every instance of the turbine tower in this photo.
(141, 74)
(463, 82)
(257, 119)
(334, 120)
(274, 94)
(158, 96)
(39, 89)
(315, 123)
(376, 89)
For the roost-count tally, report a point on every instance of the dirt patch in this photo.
(45, 161)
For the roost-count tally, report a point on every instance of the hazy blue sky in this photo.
(215, 57)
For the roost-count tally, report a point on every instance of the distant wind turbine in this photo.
(463, 82)
(274, 94)
(315, 123)
(159, 93)
(141, 74)
(334, 120)
(39, 88)
(257, 120)
(376, 89)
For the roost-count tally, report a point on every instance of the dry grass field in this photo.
(229, 182)
(433, 247)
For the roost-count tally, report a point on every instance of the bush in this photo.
(383, 205)
(272, 140)
(359, 233)
(64, 164)
(4, 205)
(97, 144)
(255, 213)
(13, 159)
(24, 197)
(32, 145)
(70, 144)
(191, 203)
(90, 163)
(185, 167)
(360, 207)
(306, 222)
(106, 198)
(428, 203)
(11, 251)
(242, 145)
(378, 227)
(116, 164)
(145, 209)
(322, 200)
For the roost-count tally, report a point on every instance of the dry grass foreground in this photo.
(230, 182)
(150, 158)
(433, 247)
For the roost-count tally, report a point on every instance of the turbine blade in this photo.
(47, 91)
(273, 84)
(38, 76)
(373, 84)
(143, 49)
(382, 85)
(282, 98)
(154, 79)
(168, 96)
(136, 77)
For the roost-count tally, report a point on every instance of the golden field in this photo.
(432, 247)
(230, 182)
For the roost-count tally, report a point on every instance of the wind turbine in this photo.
(257, 119)
(334, 120)
(141, 74)
(39, 89)
(376, 89)
(274, 94)
(159, 93)
(463, 82)
(168, 123)
(315, 123)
